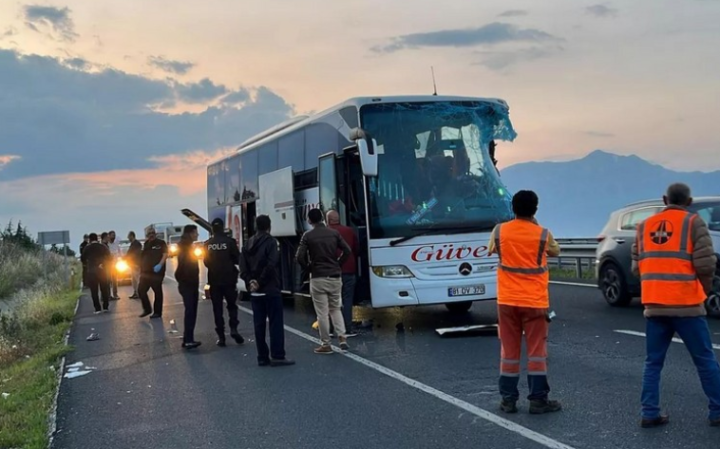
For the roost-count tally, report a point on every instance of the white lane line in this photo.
(642, 334)
(575, 284)
(477, 411)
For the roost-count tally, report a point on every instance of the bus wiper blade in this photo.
(408, 237)
(458, 229)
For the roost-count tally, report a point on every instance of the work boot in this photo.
(508, 406)
(647, 423)
(540, 406)
(324, 349)
(344, 344)
(237, 337)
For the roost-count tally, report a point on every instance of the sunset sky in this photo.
(109, 110)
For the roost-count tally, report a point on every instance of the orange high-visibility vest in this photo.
(665, 247)
(523, 275)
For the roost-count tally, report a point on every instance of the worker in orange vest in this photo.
(675, 260)
(522, 247)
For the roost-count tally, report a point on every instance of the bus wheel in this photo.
(459, 307)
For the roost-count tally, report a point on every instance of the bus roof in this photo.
(298, 122)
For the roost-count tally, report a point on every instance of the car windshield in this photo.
(709, 212)
(435, 171)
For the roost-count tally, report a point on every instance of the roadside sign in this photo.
(54, 238)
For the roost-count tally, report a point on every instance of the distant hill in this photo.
(576, 197)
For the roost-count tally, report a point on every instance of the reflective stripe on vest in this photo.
(522, 274)
(667, 275)
(520, 270)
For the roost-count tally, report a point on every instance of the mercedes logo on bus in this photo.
(465, 269)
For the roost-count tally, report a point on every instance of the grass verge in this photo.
(31, 348)
(569, 273)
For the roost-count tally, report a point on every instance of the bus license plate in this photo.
(470, 290)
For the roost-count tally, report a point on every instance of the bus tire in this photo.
(459, 307)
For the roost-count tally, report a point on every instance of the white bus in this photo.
(414, 176)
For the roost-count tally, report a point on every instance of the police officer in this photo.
(96, 257)
(222, 256)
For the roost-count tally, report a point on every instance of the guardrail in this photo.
(577, 254)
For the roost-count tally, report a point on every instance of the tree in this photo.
(19, 236)
(61, 250)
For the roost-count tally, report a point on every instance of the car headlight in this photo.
(173, 248)
(121, 266)
(393, 271)
(198, 252)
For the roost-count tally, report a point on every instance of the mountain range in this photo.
(577, 196)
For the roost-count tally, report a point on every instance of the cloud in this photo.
(513, 13)
(61, 119)
(170, 66)
(598, 134)
(57, 20)
(9, 32)
(77, 63)
(236, 98)
(5, 159)
(89, 205)
(200, 92)
(499, 60)
(490, 34)
(601, 10)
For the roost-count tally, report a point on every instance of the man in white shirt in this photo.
(116, 253)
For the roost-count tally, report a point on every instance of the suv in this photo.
(614, 260)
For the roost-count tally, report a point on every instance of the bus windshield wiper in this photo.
(430, 230)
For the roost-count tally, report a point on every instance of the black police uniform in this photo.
(152, 254)
(221, 257)
(83, 245)
(96, 257)
(187, 275)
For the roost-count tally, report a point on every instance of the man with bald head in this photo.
(349, 269)
(674, 257)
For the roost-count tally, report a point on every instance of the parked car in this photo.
(614, 260)
(124, 273)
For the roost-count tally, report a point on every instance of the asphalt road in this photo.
(410, 389)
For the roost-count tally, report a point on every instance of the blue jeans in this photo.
(695, 334)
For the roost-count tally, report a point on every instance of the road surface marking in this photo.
(452, 400)
(642, 334)
(576, 284)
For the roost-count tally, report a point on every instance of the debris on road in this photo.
(74, 371)
(173, 327)
(476, 329)
(5, 395)
(93, 335)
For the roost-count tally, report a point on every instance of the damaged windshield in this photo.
(435, 170)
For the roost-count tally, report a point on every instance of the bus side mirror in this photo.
(366, 150)
(368, 158)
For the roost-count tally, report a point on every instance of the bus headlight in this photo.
(198, 252)
(393, 271)
(121, 266)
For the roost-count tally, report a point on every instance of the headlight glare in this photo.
(392, 271)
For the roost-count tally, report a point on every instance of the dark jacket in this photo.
(188, 269)
(259, 261)
(97, 258)
(83, 245)
(221, 256)
(134, 253)
(318, 250)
